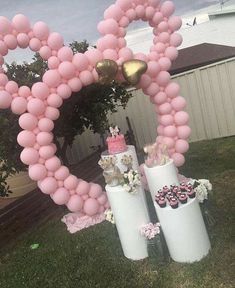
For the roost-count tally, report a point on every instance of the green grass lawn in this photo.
(93, 257)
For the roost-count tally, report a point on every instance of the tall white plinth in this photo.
(159, 176)
(129, 214)
(184, 231)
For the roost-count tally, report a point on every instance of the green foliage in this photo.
(87, 109)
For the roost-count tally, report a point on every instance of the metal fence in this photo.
(210, 95)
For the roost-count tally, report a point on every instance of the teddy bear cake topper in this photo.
(37, 107)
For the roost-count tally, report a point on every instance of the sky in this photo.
(77, 19)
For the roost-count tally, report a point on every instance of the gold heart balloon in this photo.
(132, 70)
(107, 70)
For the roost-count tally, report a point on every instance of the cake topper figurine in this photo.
(114, 131)
(156, 154)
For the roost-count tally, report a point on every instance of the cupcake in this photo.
(174, 202)
(183, 198)
(162, 202)
(165, 190)
(157, 197)
(175, 189)
(183, 186)
(188, 187)
(191, 194)
(169, 195)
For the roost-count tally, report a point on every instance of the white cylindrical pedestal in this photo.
(184, 231)
(159, 176)
(129, 214)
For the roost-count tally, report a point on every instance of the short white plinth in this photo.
(129, 214)
(185, 232)
(159, 176)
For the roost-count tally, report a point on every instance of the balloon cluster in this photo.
(67, 73)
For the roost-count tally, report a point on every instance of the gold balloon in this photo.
(133, 69)
(107, 70)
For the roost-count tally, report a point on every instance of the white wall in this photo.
(210, 95)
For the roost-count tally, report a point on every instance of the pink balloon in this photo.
(172, 90)
(12, 87)
(170, 131)
(75, 84)
(108, 26)
(149, 12)
(178, 103)
(53, 164)
(54, 100)
(181, 146)
(178, 159)
(80, 61)
(164, 63)
(171, 53)
(53, 62)
(23, 40)
(36, 107)
(55, 41)
(5, 99)
(160, 98)
(153, 89)
(93, 55)
(167, 120)
(3, 79)
(86, 78)
(3, 48)
(162, 27)
(91, 207)
(102, 199)
(71, 182)
(46, 152)
(169, 142)
(140, 11)
(45, 125)
(163, 78)
(110, 54)
(125, 53)
(44, 138)
(26, 138)
(153, 68)
(28, 121)
(167, 8)
(160, 129)
(41, 30)
(62, 173)
(48, 185)
(153, 56)
(124, 4)
(165, 108)
(67, 70)
(52, 113)
(176, 40)
(109, 41)
(24, 91)
(61, 196)
(19, 105)
(175, 23)
(145, 81)
(64, 91)
(45, 52)
(29, 156)
(10, 41)
(157, 18)
(52, 78)
(184, 132)
(35, 44)
(21, 23)
(181, 118)
(65, 54)
(83, 188)
(5, 25)
(95, 190)
(40, 90)
(164, 37)
(113, 12)
(75, 203)
(37, 172)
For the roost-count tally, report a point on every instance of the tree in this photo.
(86, 109)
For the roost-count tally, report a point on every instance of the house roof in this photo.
(200, 55)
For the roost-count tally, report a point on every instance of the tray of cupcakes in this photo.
(175, 195)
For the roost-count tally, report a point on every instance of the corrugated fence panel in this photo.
(210, 95)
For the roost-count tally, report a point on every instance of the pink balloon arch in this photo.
(67, 73)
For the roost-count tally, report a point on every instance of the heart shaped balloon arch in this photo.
(67, 73)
